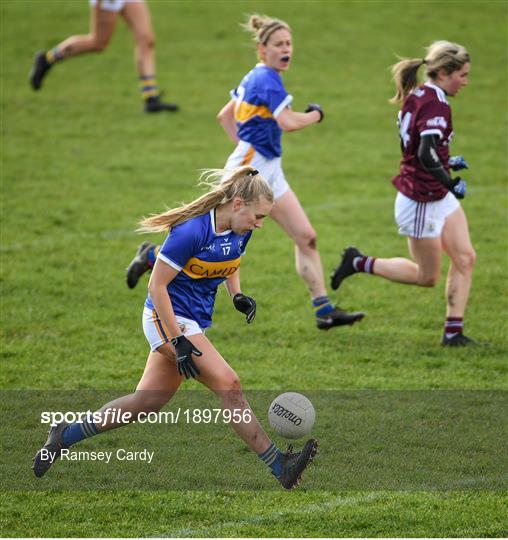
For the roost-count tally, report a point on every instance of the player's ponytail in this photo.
(440, 55)
(224, 185)
(262, 27)
(405, 76)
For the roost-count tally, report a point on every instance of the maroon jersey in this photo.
(425, 112)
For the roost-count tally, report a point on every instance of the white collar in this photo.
(213, 215)
(441, 94)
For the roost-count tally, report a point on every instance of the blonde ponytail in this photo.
(440, 55)
(405, 77)
(224, 185)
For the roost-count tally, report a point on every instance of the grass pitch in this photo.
(80, 165)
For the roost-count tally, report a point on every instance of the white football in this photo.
(292, 415)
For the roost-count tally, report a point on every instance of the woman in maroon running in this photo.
(427, 208)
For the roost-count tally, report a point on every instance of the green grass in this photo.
(226, 514)
(81, 164)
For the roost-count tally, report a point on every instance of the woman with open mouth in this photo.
(254, 119)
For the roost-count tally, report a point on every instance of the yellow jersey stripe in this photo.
(197, 269)
(245, 111)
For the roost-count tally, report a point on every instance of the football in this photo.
(292, 415)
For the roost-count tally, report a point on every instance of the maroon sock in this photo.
(364, 264)
(453, 326)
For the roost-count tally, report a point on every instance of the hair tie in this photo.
(253, 173)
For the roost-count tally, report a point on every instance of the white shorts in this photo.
(423, 219)
(270, 169)
(157, 335)
(112, 5)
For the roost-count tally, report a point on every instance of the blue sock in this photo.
(272, 456)
(322, 305)
(78, 431)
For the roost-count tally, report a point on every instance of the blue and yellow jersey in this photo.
(260, 98)
(204, 259)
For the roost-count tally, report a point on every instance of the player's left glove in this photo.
(246, 305)
(315, 107)
(457, 163)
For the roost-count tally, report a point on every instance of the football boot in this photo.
(346, 267)
(457, 340)
(51, 451)
(39, 70)
(338, 317)
(139, 265)
(293, 464)
(154, 104)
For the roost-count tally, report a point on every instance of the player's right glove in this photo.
(315, 107)
(459, 188)
(457, 163)
(245, 304)
(184, 351)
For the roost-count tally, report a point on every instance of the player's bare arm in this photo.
(226, 118)
(161, 276)
(290, 120)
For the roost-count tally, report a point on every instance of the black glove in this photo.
(315, 107)
(246, 305)
(459, 188)
(184, 351)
